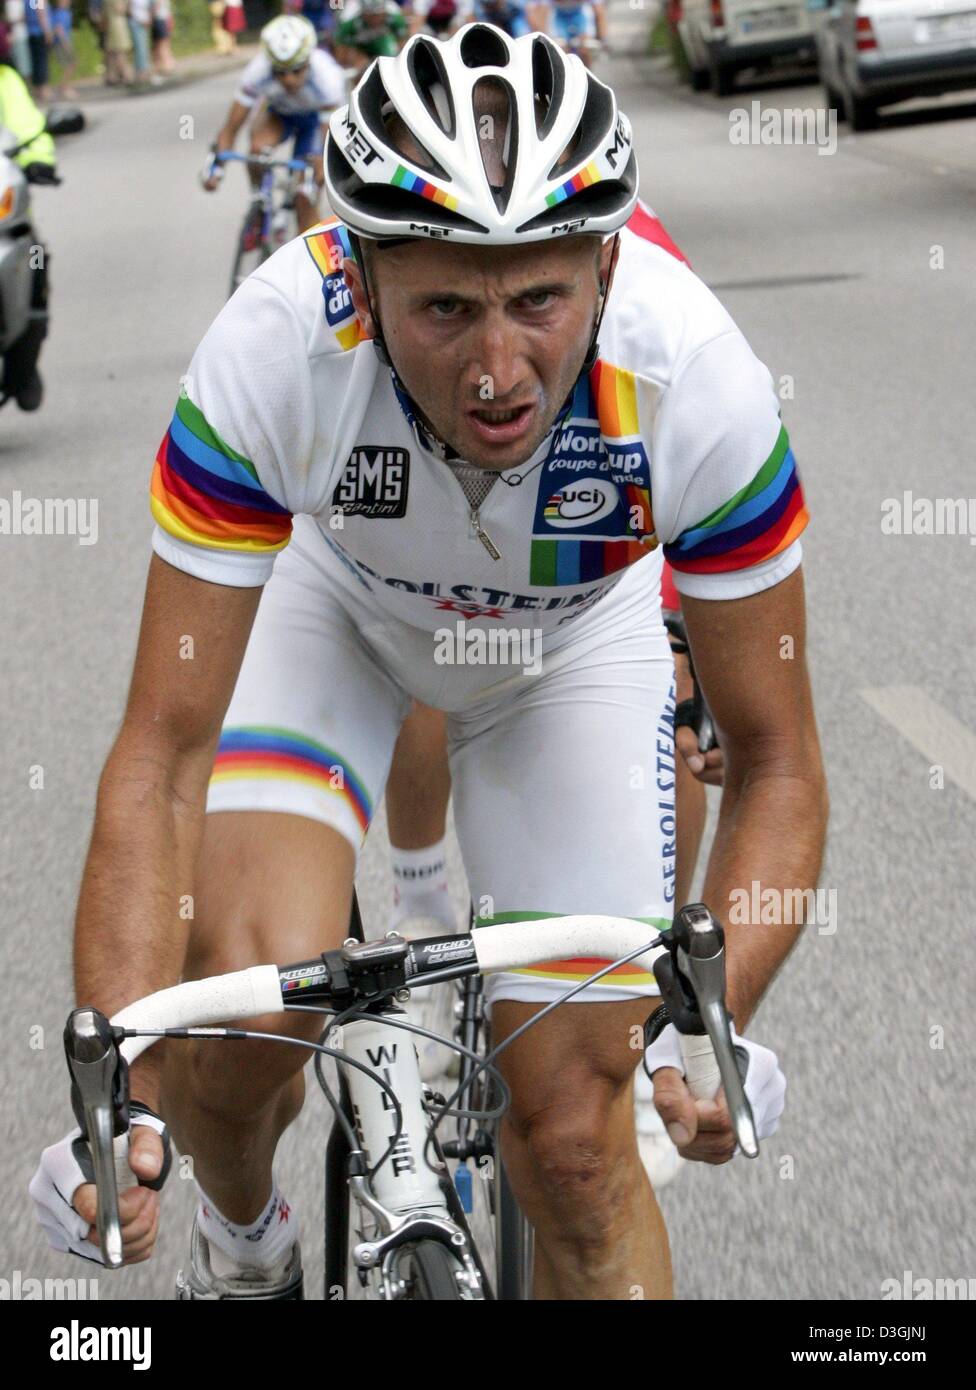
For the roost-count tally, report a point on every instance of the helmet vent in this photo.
(594, 122)
(496, 122)
(426, 68)
(390, 129)
(548, 81)
(483, 47)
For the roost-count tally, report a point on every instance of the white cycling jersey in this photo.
(672, 442)
(323, 89)
(558, 692)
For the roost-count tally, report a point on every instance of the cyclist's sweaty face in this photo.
(488, 341)
(292, 79)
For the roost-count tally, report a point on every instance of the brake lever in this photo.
(691, 978)
(99, 1098)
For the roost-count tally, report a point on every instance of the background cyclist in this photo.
(369, 29)
(577, 27)
(291, 85)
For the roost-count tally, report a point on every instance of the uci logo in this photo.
(338, 302)
(581, 503)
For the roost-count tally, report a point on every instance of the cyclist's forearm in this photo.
(762, 869)
(135, 903)
(229, 131)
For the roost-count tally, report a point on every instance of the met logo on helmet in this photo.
(621, 141)
(568, 228)
(580, 503)
(357, 147)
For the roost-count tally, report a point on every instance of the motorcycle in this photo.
(23, 290)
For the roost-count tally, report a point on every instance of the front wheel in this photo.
(252, 246)
(430, 1273)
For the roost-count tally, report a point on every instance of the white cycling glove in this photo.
(63, 1168)
(764, 1083)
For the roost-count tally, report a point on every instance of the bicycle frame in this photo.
(406, 1196)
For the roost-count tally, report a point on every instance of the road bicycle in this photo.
(388, 1158)
(270, 218)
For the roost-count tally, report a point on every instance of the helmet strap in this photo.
(593, 351)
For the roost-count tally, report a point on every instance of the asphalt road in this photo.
(825, 261)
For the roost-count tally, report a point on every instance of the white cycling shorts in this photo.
(563, 780)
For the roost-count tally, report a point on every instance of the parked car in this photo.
(874, 53)
(724, 37)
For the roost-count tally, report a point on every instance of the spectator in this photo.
(140, 13)
(64, 49)
(162, 48)
(38, 39)
(234, 22)
(18, 46)
(118, 43)
(223, 41)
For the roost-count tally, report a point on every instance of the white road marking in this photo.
(937, 734)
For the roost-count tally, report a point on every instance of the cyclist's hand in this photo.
(702, 1129)
(212, 183)
(707, 767)
(65, 1199)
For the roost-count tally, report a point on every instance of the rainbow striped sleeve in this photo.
(760, 521)
(206, 493)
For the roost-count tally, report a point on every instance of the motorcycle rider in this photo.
(21, 118)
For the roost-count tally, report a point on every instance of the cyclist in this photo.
(369, 29)
(577, 26)
(441, 17)
(523, 402)
(508, 15)
(296, 84)
(319, 13)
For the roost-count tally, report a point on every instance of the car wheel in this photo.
(834, 102)
(722, 77)
(862, 113)
(700, 79)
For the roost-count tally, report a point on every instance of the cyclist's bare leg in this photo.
(270, 887)
(570, 1151)
(267, 132)
(419, 784)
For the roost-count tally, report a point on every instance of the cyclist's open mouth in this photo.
(497, 426)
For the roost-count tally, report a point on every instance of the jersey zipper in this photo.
(483, 535)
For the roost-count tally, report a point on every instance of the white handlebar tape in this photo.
(511, 945)
(196, 1003)
(701, 1068)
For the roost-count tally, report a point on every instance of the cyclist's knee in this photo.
(575, 1148)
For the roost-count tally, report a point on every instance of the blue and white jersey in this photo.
(323, 89)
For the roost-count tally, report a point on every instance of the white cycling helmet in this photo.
(568, 154)
(289, 41)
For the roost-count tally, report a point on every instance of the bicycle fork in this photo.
(404, 1198)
